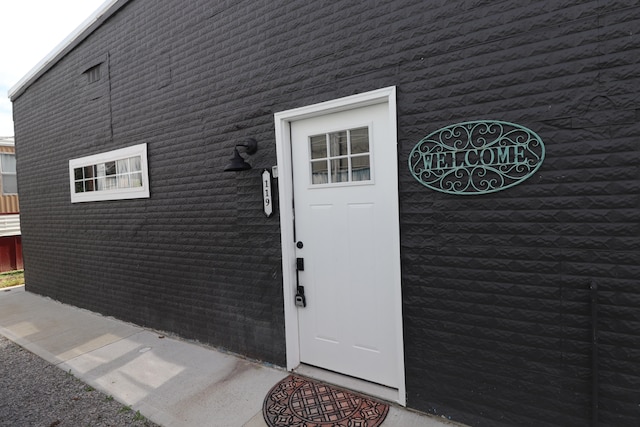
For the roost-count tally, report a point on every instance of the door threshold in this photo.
(372, 389)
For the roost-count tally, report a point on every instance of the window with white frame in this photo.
(117, 174)
(8, 173)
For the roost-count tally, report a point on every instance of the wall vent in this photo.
(93, 74)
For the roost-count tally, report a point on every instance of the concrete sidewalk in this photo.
(170, 381)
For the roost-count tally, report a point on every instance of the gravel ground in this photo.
(34, 393)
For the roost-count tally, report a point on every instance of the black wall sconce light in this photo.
(237, 163)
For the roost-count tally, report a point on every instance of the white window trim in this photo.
(115, 194)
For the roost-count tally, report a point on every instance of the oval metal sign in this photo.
(476, 157)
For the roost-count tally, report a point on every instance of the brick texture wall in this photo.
(496, 288)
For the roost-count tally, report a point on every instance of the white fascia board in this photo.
(7, 141)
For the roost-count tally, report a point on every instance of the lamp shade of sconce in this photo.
(237, 162)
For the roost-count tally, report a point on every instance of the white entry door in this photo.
(346, 230)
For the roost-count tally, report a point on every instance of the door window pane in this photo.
(361, 170)
(340, 157)
(338, 144)
(319, 173)
(340, 170)
(318, 146)
(360, 141)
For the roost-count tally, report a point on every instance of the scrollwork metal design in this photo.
(476, 157)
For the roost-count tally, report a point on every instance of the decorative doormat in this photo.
(301, 402)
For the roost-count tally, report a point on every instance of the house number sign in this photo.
(267, 199)
(476, 157)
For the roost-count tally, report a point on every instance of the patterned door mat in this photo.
(301, 402)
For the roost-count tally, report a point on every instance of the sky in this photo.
(29, 31)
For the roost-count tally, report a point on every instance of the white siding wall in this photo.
(10, 225)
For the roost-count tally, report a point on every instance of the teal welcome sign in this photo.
(476, 157)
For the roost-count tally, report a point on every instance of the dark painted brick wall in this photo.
(495, 287)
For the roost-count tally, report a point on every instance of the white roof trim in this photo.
(7, 141)
(59, 51)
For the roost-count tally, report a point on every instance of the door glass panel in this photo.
(319, 173)
(338, 144)
(318, 146)
(340, 170)
(361, 169)
(340, 157)
(359, 141)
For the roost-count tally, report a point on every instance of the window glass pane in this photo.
(340, 170)
(106, 177)
(361, 170)
(123, 181)
(9, 184)
(338, 144)
(136, 180)
(108, 183)
(110, 168)
(318, 146)
(89, 171)
(359, 141)
(111, 183)
(347, 154)
(123, 166)
(136, 163)
(319, 173)
(8, 163)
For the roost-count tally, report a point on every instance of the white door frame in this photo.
(283, 122)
